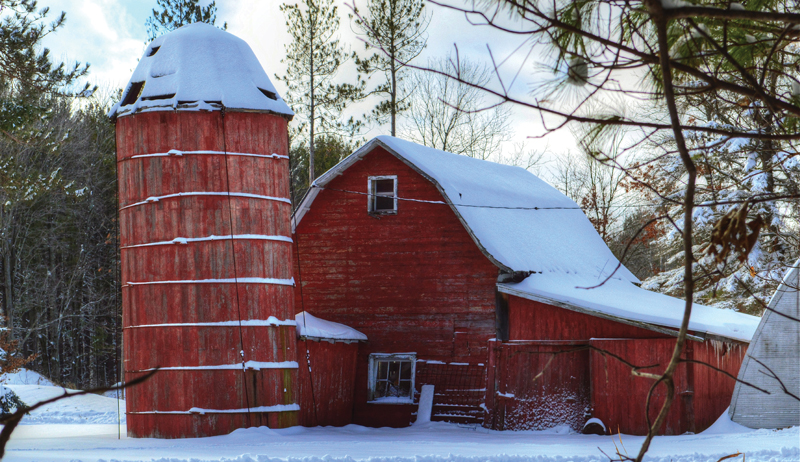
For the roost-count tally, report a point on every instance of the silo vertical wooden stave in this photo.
(206, 261)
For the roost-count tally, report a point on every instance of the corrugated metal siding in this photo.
(201, 216)
(776, 343)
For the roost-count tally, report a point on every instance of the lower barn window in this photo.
(391, 377)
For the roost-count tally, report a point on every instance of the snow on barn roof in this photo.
(517, 220)
(199, 67)
(313, 327)
(623, 301)
(523, 224)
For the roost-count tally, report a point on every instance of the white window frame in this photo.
(374, 358)
(370, 194)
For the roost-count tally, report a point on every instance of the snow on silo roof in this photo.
(199, 67)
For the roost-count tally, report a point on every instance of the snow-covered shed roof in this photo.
(518, 221)
(199, 67)
(309, 326)
(621, 300)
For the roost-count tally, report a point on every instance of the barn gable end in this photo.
(412, 282)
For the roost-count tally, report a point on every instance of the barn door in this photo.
(525, 400)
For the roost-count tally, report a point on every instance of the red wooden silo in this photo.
(205, 239)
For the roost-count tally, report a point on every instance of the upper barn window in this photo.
(382, 194)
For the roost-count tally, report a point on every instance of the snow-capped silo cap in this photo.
(199, 67)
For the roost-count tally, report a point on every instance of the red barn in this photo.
(468, 275)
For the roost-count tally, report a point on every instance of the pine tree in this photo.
(328, 151)
(397, 29)
(177, 13)
(734, 169)
(27, 70)
(313, 59)
(29, 83)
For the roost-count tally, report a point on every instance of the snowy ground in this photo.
(84, 429)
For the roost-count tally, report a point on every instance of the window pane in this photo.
(380, 389)
(384, 186)
(405, 370)
(383, 370)
(404, 389)
(384, 203)
(394, 372)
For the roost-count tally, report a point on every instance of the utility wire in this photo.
(627, 206)
(118, 306)
(302, 301)
(235, 275)
(468, 205)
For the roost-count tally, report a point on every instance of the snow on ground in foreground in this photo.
(33, 388)
(46, 439)
(433, 442)
(84, 409)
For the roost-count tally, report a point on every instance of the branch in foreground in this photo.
(10, 423)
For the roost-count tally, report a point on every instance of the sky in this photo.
(111, 36)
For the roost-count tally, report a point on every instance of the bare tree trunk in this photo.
(311, 175)
(8, 293)
(656, 10)
(394, 73)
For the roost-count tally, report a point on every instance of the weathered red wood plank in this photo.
(199, 217)
(329, 399)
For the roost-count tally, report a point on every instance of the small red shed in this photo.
(327, 353)
(469, 275)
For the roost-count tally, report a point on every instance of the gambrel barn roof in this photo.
(523, 225)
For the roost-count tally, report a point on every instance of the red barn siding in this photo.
(531, 320)
(326, 395)
(712, 389)
(148, 345)
(416, 282)
(617, 397)
(412, 282)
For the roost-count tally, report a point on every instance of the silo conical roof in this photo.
(199, 67)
